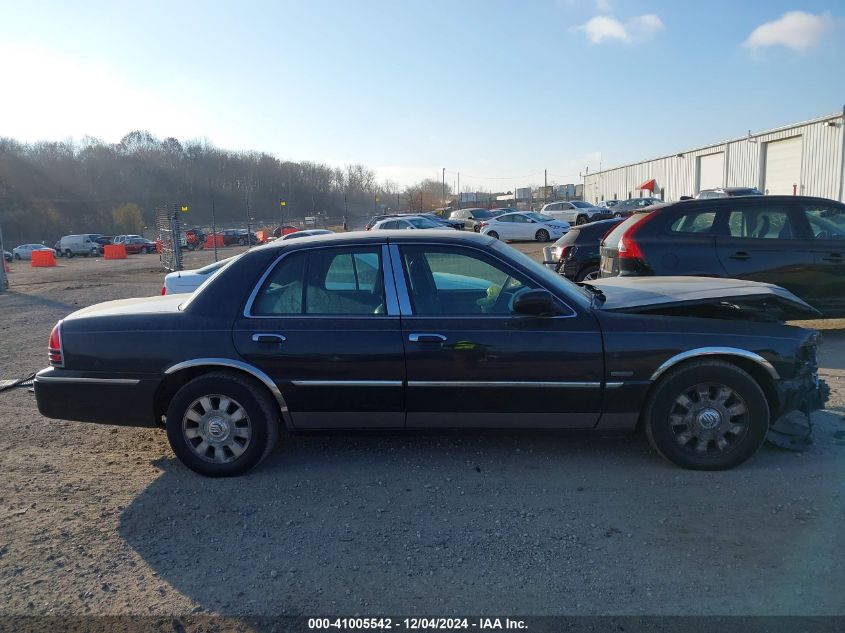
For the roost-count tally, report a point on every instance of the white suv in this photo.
(574, 211)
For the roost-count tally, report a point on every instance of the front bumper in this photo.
(87, 397)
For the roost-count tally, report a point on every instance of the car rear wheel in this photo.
(542, 235)
(617, 215)
(241, 242)
(581, 219)
(707, 415)
(590, 273)
(94, 252)
(68, 253)
(222, 424)
(476, 228)
(493, 234)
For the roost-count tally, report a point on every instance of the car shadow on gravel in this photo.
(445, 523)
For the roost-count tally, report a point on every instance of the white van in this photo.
(84, 244)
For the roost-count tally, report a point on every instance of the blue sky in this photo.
(500, 90)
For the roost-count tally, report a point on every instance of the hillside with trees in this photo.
(49, 189)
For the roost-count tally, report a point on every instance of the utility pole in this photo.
(3, 281)
(248, 224)
(443, 193)
(460, 195)
(545, 184)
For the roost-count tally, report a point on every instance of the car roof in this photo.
(379, 237)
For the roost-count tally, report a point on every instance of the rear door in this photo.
(764, 239)
(472, 363)
(323, 323)
(826, 291)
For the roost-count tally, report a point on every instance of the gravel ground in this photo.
(100, 520)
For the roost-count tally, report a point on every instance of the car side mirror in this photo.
(535, 303)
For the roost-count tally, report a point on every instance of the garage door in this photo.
(783, 166)
(711, 171)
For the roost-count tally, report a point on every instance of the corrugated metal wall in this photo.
(822, 169)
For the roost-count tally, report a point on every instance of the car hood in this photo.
(142, 305)
(650, 294)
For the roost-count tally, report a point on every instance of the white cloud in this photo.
(603, 6)
(603, 28)
(794, 29)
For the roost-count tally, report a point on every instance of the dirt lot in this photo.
(100, 520)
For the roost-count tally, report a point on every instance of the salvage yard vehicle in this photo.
(524, 226)
(83, 244)
(575, 212)
(797, 242)
(624, 208)
(434, 329)
(186, 281)
(24, 251)
(576, 255)
(410, 222)
(136, 245)
(472, 218)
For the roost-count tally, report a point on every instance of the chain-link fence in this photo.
(169, 237)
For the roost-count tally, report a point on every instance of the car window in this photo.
(763, 222)
(505, 218)
(519, 219)
(450, 281)
(337, 282)
(826, 221)
(281, 293)
(695, 222)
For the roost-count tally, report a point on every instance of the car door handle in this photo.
(268, 338)
(426, 338)
(740, 255)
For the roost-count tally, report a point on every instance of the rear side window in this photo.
(324, 282)
(826, 221)
(763, 222)
(694, 222)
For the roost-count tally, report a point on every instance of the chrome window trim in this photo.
(90, 381)
(399, 275)
(715, 351)
(236, 364)
(504, 383)
(347, 383)
(247, 311)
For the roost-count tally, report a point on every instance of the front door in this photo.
(827, 225)
(471, 362)
(764, 241)
(324, 326)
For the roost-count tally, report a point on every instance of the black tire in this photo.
(241, 242)
(95, 252)
(149, 249)
(617, 215)
(17, 257)
(581, 219)
(476, 228)
(493, 234)
(666, 437)
(542, 236)
(68, 253)
(587, 273)
(262, 416)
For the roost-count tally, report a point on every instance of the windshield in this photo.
(581, 204)
(482, 214)
(539, 217)
(423, 223)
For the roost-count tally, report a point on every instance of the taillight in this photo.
(54, 347)
(628, 246)
(481, 225)
(565, 252)
(163, 290)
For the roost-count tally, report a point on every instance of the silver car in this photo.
(574, 211)
(24, 251)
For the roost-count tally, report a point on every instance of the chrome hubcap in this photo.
(709, 418)
(216, 428)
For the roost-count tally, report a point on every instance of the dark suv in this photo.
(796, 242)
(576, 254)
(625, 208)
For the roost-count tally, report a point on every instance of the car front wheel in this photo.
(581, 219)
(707, 415)
(222, 424)
(617, 215)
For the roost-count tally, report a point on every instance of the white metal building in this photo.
(804, 158)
